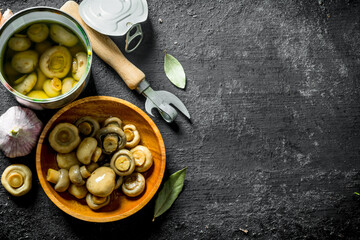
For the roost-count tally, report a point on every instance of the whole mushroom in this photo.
(113, 121)
(59, 178)
(38, 32)
(64, 137)
(133, 185)
(67, 160)
(62, 36)
(88, 126)
(123, 162)
(111, 139)
(55, 62)
(79, 65)
(19, 42)
(78, 191)
(101, 182)
(132, 135)
(143, 158)
(86, 150)
(17, 179)
(25, 62)
(95, 202)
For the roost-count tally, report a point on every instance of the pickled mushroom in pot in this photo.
(56, 62)
(25, 62)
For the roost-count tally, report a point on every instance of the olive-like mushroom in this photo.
(143, 158)
(17, 179)
(52, 87)
(75, 175)
(132, 135)
(86, 149)
(38, 32)
(101, 182)
(64, 137)
(19, 43)
(62, 36)
(79, 65)
(55, 62)
(78, 191)
(133, 185)
(88, 126)
(67, 84)
(59, 178)
(113, 121)
(27, 84)
(67, 160)
(95, 202)
(25, 62)
(123, 162)
(111, 139)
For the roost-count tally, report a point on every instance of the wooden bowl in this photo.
(101, 107)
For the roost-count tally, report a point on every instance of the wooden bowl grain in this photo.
(102, 107)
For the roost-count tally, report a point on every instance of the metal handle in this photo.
(130, 38)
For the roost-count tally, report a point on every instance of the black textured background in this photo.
(274, 145)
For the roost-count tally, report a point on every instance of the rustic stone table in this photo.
(273, 148)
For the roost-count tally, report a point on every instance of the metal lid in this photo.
(113, 17)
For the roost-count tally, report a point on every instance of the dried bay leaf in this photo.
(169, 192)
(174, 71)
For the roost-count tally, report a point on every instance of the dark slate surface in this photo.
(273, 148)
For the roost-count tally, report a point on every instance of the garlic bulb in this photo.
(19, 130)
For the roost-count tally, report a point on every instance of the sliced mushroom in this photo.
(52, 87)
(67, 160)
(39, 94)
(111, 139)
(25, 62)
(132, 136)
(17, 179)
(67, 84)
(113, 121)
(75, 175)
(59, 178)
(133, 185)
(38, 32)
(88, 126)
(101, 182)
(143, 158)
(62, 36)
(55, 62)
(123, 162)
(86, 149)
(95, 202)
(19, 43)
(64, 138)
(78, 191)
(26, 84)
(79, 65)
(40, 79)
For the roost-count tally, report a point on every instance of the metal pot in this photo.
(23, 19)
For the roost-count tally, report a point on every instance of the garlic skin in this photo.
(19, 131)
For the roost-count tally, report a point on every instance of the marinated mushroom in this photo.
(86, 170)
(52, 87)
(10, 72)
(101, 182)
(119, 182)
(17, 179)
(26, 83)
(133, 185)
(40, 79)
(79, 65)
(88, 126)
(132, 136)
(143, 158)
(25, 62)
(55, 62)
(43, 46)
(67, 160)
(123, 162)
(38, 32)
(19, 43)
(62, 36)
(113, 121)
(37, 94)
(64, 137)
(75, 175)
(59, 178)
(78, 191)
(111, 139)
(86, 149)
(67, 84)
(95, 202)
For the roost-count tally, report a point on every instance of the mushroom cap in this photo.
(123, 162)
(75, 175)
(101, 182)
(116, 132)
(132, 135)
(63, 182)
(55, 62)
(64, 137)
(133, 184)
(88, 126)
(86, 149)
(17, 179)
(113, 121)
(67, 160)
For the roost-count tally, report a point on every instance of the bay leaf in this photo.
(169, 192)
(174, 71)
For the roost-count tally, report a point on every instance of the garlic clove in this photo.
(19, 130)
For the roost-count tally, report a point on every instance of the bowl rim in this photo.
(68, 210)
